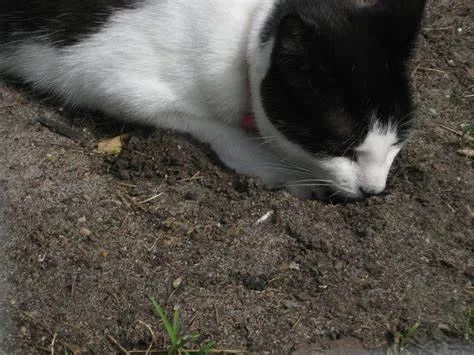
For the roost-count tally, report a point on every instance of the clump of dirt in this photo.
(91, 237)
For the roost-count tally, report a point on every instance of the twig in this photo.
(52, 343)
(128, 201)
(452, 130)
(193, 319)
(438, 28)
(192, 178)
(216, 312)
(153, 245)
(413, 73)
(191, 351)
(151, 198)
(153, 336)
(126, 185)
(432, 70)
(61, 128)
(456, 132)
(73, 285)
(123, 199)
(47, 330)
(125, 351)
(470, 211)
(450, 207)
(297, 322)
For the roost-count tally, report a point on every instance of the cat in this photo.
(323, 85)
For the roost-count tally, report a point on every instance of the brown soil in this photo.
(84, 251)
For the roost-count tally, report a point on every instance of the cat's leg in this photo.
(238, 150)
(244, 153)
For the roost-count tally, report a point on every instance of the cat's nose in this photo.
(368, 192)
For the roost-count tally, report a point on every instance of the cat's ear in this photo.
(396, 22)
(291, 52)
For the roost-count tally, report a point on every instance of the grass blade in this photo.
(176, 322)
(206, 348)
(166, 322)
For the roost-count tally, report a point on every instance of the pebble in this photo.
(433, 112)
(191, 195)
(256, 283)
(373, 269)
(338, 265)
(290, 304)
(82, 220)
(469, 272)
(294, 266)
(366, 232)
(177, 282)
(23, 331)
(85, 232)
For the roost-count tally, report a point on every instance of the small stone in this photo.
(338, 265)
(433, 112)
(373, 269)
(290, 304)
(124, 174)
(444, 327)
(177, 282)
(451, 63)
(294, 266)
(191, 195)
(469, 272)
(366, 232)
(85, 232)
(122, 164)
(256, 283)
(23, 331)
(82, 220)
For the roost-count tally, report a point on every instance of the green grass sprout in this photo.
(179, 343)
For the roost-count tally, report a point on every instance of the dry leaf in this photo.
(113, 146)
(466, 152)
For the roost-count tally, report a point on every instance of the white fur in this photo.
(369, 172)
(183, 65)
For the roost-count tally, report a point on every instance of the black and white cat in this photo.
(325, 80)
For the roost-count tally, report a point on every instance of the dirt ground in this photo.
(91, 238)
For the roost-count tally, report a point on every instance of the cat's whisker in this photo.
(312, 180)
(289, 169)
(308, 185)
(298, 166)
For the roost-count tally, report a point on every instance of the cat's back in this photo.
(62, 22)
(99, 53)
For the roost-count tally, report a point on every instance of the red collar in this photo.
(248, 124)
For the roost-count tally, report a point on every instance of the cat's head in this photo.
(330, 88)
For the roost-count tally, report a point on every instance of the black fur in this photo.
(61, 22)
(334, 63)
